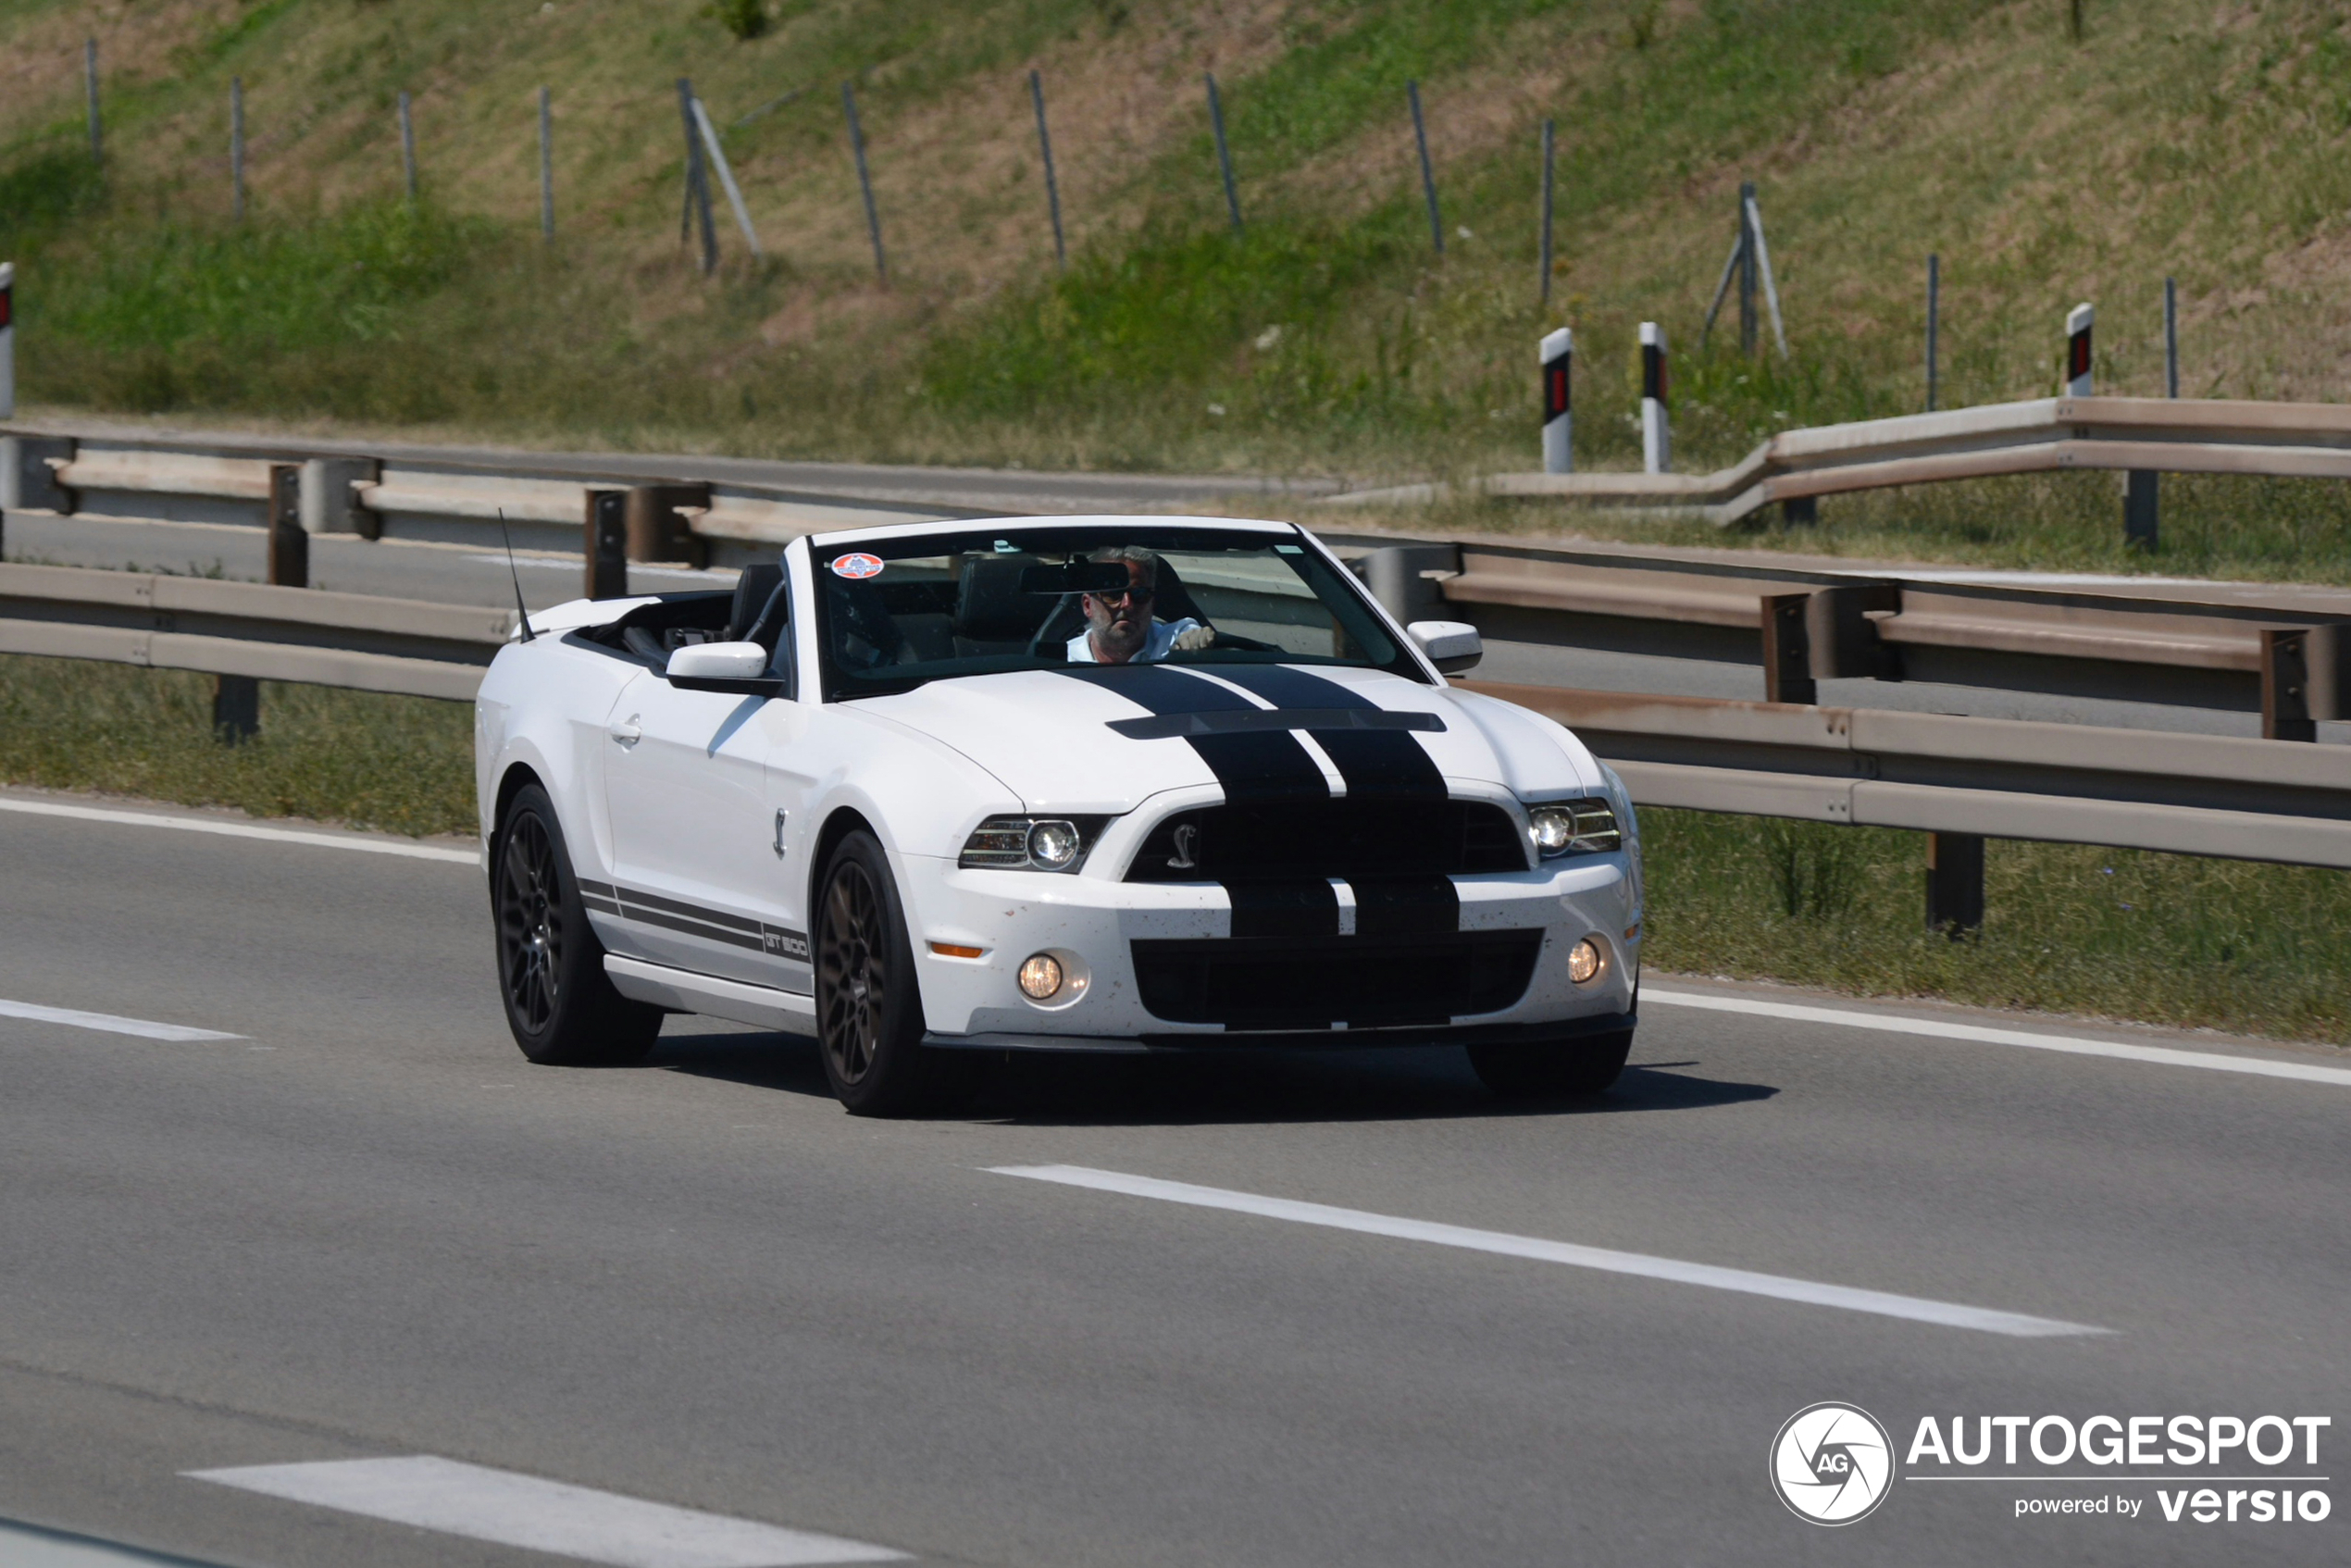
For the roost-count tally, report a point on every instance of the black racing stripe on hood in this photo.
(1250, 766)
(1290, 907)
(1386, 764)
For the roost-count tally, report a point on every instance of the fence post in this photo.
(607, 546)
(1224, 151)
(90, 86)
(1428, 173)
(1934, 321)
(1545, 248)
(289, 552)
(1746, 269)
(1559, 365)
(1954, 884)
(864, 179)
(1053, 186)
(237, 145)
(697, 181)
(407, 147)
(8, 340)
(2078, 322)
(2171, 339)
(1657, 436)
(546, 168)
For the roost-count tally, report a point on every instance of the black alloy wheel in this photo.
(560, 1005)
(869, 1013)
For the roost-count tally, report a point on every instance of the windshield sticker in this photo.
(857, 566)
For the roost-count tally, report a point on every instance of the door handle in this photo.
(627, 733)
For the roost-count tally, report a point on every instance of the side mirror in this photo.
(1452, 646)
(722, 666)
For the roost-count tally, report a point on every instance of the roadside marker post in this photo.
(1657, 436)
(1559, 362)
(1224, 151)
(2078, 322)
(1428, 172)
(2171, 339)
(1934, 322)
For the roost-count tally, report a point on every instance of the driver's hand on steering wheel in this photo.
(1192, 641)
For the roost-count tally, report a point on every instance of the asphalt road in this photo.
(365, 1228)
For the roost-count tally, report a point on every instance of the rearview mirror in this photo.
(722, 666)
(1075, 577)
(1452, 646)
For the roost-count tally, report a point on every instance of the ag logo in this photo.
(1831, 1464)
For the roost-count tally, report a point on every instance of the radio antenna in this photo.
(520, 609)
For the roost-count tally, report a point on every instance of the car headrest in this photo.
(990, 605)
(753, 589)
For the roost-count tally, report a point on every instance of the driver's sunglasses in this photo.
(1129, 595)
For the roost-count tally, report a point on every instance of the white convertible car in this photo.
(1048, 784)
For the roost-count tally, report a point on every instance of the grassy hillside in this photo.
(2186, 137)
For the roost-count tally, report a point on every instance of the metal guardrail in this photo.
(2142, 434)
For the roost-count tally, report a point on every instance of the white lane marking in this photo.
(106, 1020)
(1936, 1028)
(524, 1511)
(1918, 1309)
(241, 830)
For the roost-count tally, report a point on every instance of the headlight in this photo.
(1573, 827)
(1030, 843)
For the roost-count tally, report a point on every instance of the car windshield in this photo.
(895, 614)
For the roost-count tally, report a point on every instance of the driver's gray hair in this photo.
(1147, 559)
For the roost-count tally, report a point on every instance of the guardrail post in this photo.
(1954, 884)
(2141, 504)
(1398, 579)
(236, 708)
(2286, 711)
(606, 545)
(1788, 657)
(657, 531)
(289, 545)
(29, 474)
(1657, 436)
(2327, 657)
(1844, 641)
(330, 504)
(1559, 421)
(1799, 511)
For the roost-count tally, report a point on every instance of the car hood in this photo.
(1049, 735)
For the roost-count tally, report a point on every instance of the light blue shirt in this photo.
(1156, 643)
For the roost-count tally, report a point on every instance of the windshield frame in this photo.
(1072, 536)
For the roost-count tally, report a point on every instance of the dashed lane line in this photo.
(107, 1022)
(241, 831)
(1938, 1029)
(542, 1516)
(1918, 1309)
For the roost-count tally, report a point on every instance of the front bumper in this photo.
(1090, 923)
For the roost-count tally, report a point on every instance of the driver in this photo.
(1119, 628)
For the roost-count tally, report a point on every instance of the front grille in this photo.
(1346, 837)
(1313, 983)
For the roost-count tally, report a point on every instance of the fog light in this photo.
(1040, 977)
(1582, 963)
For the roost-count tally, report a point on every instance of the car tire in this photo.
(1552, 1070)
(560, 1005)
(869, 1011)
